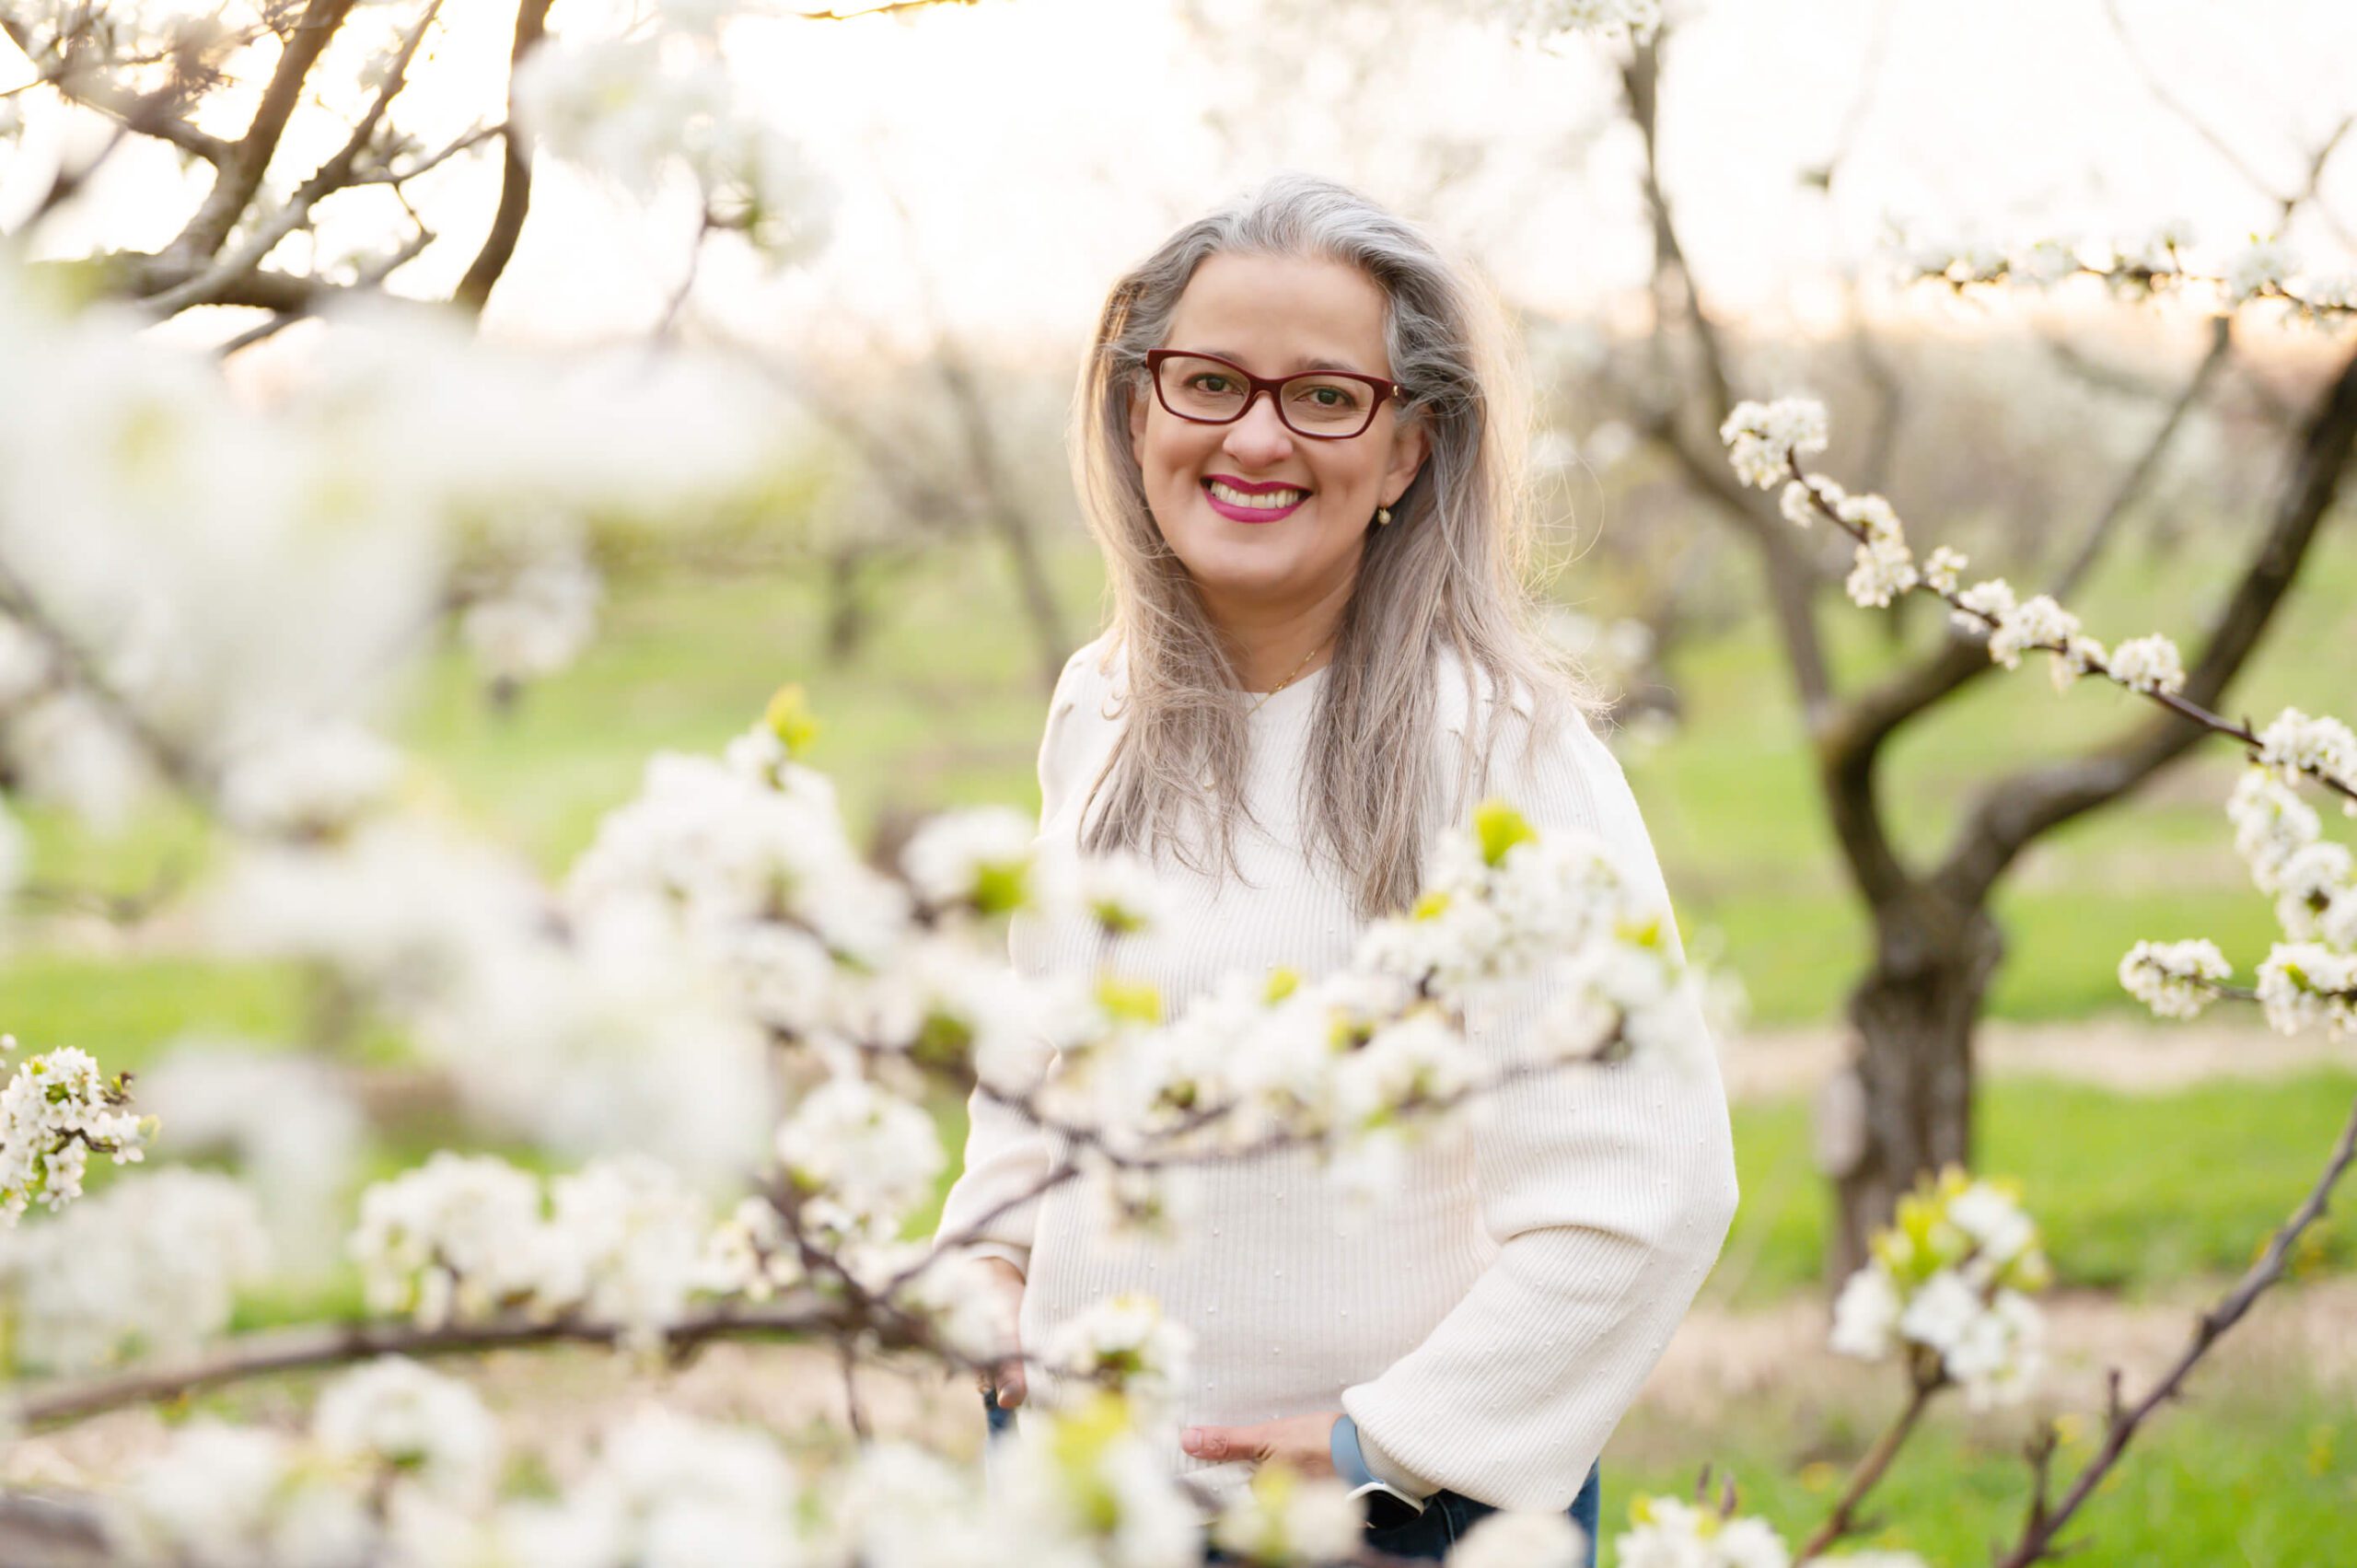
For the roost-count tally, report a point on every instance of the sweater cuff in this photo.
(1390, 1471)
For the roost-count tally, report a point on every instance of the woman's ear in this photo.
(1410, 444)
(1137, 421)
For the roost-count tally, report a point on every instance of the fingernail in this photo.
(1192, 1439)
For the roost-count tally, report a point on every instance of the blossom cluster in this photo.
(623, 1242)
(2260, 267)
(1951, 1278)
(661, 99)
(147, 1268)
(1664, 1532)
(1667, 1532)
(56, 1110)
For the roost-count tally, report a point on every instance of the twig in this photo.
(1842, 1521)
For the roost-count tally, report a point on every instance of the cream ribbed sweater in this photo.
(1489, 1329)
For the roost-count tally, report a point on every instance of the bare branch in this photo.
(2014, 811)
(2140, 473)
(242, 168)
(1843, 1521)
(155, 114)
(516, 176)
(329, 177)
(1788, 578)
(2225, 149)
(2122, 1425)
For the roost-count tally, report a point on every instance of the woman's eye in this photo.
(1211, 383)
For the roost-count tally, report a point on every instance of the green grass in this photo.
(2131, 1192)
(2233, 1475)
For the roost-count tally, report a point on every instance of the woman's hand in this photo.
(1304, 1442)
(1007, 1376)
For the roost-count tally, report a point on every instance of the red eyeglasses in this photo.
(1324, 405)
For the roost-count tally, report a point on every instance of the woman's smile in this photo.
(1243, 501)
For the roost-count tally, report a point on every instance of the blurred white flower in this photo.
(1521, 1540)
(151, 1266)
(430, 1429)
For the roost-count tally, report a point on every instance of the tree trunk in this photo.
(1904, 1104)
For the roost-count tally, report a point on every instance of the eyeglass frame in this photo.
(1275, 386)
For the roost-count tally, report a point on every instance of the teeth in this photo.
(1266, 501)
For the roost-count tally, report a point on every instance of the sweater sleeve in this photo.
(1006, 1152)
(1607, 1191)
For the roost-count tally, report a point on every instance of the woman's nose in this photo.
(1260, 434)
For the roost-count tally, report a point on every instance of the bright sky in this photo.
(1039, 145)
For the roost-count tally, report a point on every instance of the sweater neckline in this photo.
(1288, 698)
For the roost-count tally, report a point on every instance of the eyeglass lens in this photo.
(1312, 404)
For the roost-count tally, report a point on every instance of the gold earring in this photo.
(1382, 515)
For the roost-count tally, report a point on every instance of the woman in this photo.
(1298, 442)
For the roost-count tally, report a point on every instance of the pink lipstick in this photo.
(1235, 513)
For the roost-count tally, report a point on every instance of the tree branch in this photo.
(516, 176)
(1790, 590)
(148, 114)
(2014, 811)
(241, 169)
(325, 180)
(2038, 1536)
(2140, 473)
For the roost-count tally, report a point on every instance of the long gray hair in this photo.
(1446, 573)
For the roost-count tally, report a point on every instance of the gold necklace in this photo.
(1281, 685)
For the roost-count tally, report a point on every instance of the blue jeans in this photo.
(1430, 1535)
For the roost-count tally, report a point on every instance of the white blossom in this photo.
(1883, 570)
(150, 1267)
(2304, 985)
(1865, 1315)
(978, 858)
(289, 1121)
(866, 1148)
(1942, 570)
(1508, 1539)
(1282, 1519)
(2035, 623)
(2045, 262)
(1668, 1533)
(2271, 824)
(2149, 664)
(456, 1238)
(428, 1427)
(1761, 438)
(56, 1110)
(2175, 980)
(1983, 606)
(537, 620)
(1125, 1342)
(2293, 743)
(235, 1497)
(2259, 267)
(310, 784)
